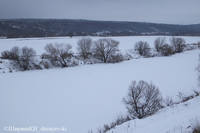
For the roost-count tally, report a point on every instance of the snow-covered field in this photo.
(86, 97)
(126, 42)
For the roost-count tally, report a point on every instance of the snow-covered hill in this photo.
(69, 27)
(86, 97)
(174, 119)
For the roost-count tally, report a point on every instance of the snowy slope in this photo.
(175, 119)
(126, 42)
(86, 97)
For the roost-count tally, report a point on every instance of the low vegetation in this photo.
(118, 121)
(178, 44)
(158, 43)
(196, 129)
(195, 125)
(104, 50)
(21, 58)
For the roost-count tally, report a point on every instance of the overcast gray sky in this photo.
(160, 11)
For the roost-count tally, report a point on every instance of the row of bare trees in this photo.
(104, 50)
(177, 45)
(61, 55)
(162, 48)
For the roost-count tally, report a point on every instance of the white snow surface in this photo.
(126, 42)
(174, 119)
(86, 97)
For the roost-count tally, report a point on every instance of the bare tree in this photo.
(143, 99)
(58, 54)
(158, 43)
(143, 48)
(21, 58)
(27, 58)
(106, 49)
(85, 47)
(178, 44)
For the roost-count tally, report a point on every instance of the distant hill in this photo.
(14, 28)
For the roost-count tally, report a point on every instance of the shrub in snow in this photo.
(129, 54)
(13, 54)
(118, 121)
(45, 64)
(143, 99)
(166, 50)
(196, 130)
(85, 48)
(191, 46)
(27, 59)
(116, 58)
(198, 44)
(178, 44)
(158, 43)
(22, 58)
(58, 54)
(196, 126)
(196, 93)
(183, 98)
(162, 48)
(168, 101)
(5, 54)
(107, 51)
(143, 48)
